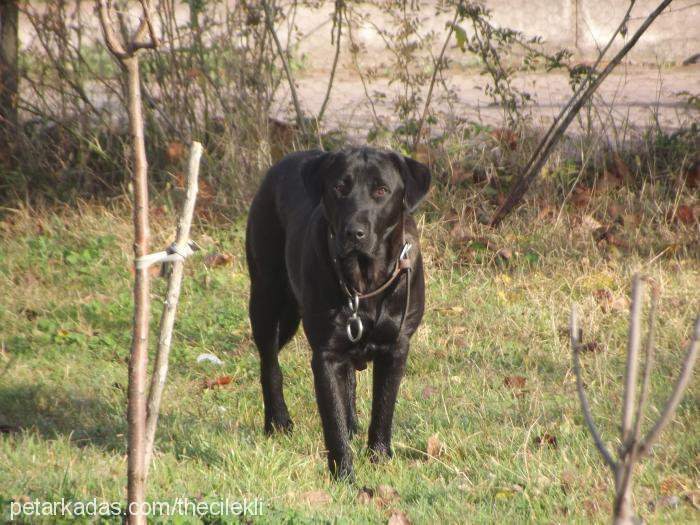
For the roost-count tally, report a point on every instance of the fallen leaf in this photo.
(691, 176)
(546, 439)
(219, 381)
(515, 381)
(673, 485)
(621, 170)
(315, 498)
(592, 346)
(398, 518)
(505, 253)
(428, 391)
(580, 197)
(434, 448)
(217, 259)
(387, 493)
(460, 175)
(693, 497)
(589, 222)
(546, 214)
(505, 136)
(684, 214)
(175, 151)
(365, 495)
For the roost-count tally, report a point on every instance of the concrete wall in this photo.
(578, 25)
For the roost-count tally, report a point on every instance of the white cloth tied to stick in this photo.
(170, 254)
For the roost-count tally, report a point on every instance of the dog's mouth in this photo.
(349, 249)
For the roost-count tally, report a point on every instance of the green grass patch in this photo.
(489, 373)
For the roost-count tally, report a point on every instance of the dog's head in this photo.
(363, 192)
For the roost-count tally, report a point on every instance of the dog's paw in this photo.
(281, 425)
(342, 471)
(379, 452)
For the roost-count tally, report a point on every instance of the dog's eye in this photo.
(380, 191)
(340, 187)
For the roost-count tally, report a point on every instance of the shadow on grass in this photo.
(99, 420)
(51, 412)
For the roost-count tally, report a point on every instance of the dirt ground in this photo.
(632, 98)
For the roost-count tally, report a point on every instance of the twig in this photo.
(436, 69)
(677, 394)
(648, 363)
(167, 320)
(567, 114)
(632, 450)
(585, 407)
(337, 24)
(270, 24)
(632, 358)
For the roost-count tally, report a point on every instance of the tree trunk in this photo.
(138, 363)
(9, 45)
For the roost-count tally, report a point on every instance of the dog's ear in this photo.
(416, 180)
(313, 173)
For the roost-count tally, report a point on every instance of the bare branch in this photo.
(337, 23)
(567, 114)
(167, 320)
(270, 23)
(575, 345)
(678, 390)
(632, 358)
(648, 363)
(436, 69)
(114, 44)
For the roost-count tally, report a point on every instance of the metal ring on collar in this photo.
(359, 328)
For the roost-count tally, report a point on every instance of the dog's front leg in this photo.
(329, 381)
(388, 370)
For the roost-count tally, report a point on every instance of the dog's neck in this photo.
(364, 273)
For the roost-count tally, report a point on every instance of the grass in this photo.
(489, 374)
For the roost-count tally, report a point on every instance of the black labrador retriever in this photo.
(330, 240)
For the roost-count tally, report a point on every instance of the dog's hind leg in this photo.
(267, 315)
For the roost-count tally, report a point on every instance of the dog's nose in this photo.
(354, 232)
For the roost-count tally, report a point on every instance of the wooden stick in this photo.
(167, 320)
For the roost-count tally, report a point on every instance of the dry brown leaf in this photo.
(505, 136)
(505, 253)
(316, 498)
(217, 259)
(434, 447)
(365, 495)
(460, 175)
(515, 381)
(590, 223)
(546, 214)
(175, 151)
(546, 439)
(428, 391)
(580, 197)
(398, 518)
(691, 176)
(673, 485)
(684, 214)
(219, 381)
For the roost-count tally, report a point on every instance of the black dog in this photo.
(330, 240)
